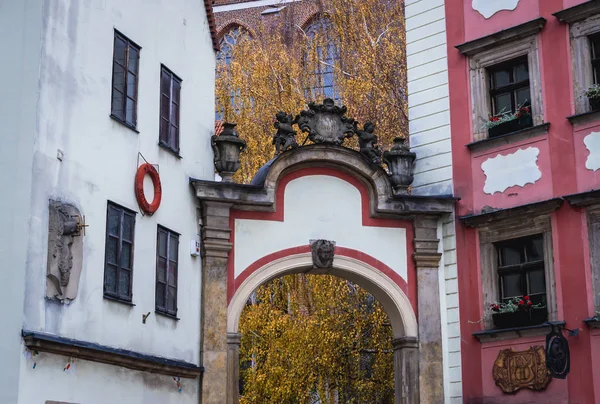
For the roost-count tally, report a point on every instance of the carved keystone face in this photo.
(322, 253)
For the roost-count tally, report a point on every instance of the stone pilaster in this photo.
(215, 253)
(406, 370)
(233, 364)
(427, 260)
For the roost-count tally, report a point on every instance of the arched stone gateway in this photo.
(323, 208)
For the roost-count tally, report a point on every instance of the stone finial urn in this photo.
(227, 148)
(401, 163)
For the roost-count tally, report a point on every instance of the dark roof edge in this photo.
(578, 12)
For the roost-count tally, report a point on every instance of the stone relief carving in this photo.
(367, 142)
(514, 370)
(65, 251)
(285, 138)
(515, 169)
(592, 143)
(326, 123)
(488, 8)
(322, 253)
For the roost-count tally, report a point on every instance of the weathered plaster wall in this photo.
(20, 28)
(319, 207)
(476, 25)
(429, 128)
(100, 158)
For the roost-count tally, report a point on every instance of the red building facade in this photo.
(526, 154)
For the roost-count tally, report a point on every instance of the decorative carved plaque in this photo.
(326, 123)
(65, 251)
(515, 370)
(322, 253)
(558, 356)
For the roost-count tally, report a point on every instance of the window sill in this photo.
(116, 299)
(170, 150)
(164, 314)
(516, 332)
(509, 138)
(586, 117)
(122, 122)
(592, 322)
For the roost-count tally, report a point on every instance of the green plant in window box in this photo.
(507, 122)
(518, 312)
(593, 95)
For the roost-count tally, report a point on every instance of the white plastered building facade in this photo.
(60, 143)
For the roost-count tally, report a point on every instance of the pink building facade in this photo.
(526, 155)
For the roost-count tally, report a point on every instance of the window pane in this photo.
(500, 78)
(164, 131)
(176, 91)
(174, 137)
(174, 114)
(117, 104)
(161, 270)
(172, 304)
(120, 47)
(165, 83)
(133, 60)
(162, 243)
(502, 103)
(521, 72)
(535, 249)
(118, 77)
(173, 248)
(124, 282)
(523, 97)
(160, 295)
(596, 47)
(511, 254)
(110, 278)
(126, 255)
(111, 250)
(114, 221)
(164, 107)
(128, 221)
(131, 85)
(172, 273)
(537, 281)
(129, 111)
(511, 285)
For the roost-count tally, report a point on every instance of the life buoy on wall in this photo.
(147, 207)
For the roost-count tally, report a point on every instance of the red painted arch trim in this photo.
(409, 286)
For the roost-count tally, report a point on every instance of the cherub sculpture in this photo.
(285, 138)
(367, 141)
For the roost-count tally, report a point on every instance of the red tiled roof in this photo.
(211, 23)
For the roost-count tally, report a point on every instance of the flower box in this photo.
(594, 104)
(520, 318)
(511, 126)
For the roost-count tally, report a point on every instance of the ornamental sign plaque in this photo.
(514, 370)
(558, 357)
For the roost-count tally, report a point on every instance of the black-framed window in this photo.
(118, 255)
(167, 257)
(521, 270)
(595, 46)
(170, 96)
(509, 86)
(126, 58)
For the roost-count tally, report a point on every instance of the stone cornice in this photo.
(532, 209)
(501, 37)
(382, 202)
(578, 12)
(43, 342)
(427, 259)
(584, 199)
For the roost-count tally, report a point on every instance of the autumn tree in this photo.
(315, 339)
(358, 44)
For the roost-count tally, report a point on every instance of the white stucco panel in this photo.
(319, 207)
(515, 169)
(592, 142)
(488, 8)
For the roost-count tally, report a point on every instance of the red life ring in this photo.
(149, 169)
